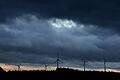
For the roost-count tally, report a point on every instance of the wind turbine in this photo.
(58, 61)
(19, 67)
(46, 67)
(105, 66)
(84, 64)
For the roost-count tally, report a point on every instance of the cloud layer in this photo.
(32, 39)
(99, 12)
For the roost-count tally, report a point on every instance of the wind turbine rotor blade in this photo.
(55, 61)
(61, 61)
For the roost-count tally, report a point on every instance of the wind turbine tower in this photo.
(19, 67)
(46, 67)
(105, 66)
(58, 61)
(84, 64)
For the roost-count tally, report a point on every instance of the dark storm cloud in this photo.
(99, 12)
(27, 35)
(32, 39)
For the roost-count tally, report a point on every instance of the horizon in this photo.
(90, 66)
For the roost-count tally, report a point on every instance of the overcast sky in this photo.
(35, 31)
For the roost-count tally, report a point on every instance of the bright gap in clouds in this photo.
(62, 23)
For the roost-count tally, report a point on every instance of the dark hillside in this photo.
(59, 74)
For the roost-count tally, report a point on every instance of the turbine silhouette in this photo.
(105, 67)
(84, 64)
(46, 67)
(19, 67)
(58, 61)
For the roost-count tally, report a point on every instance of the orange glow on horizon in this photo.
(10, 67)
